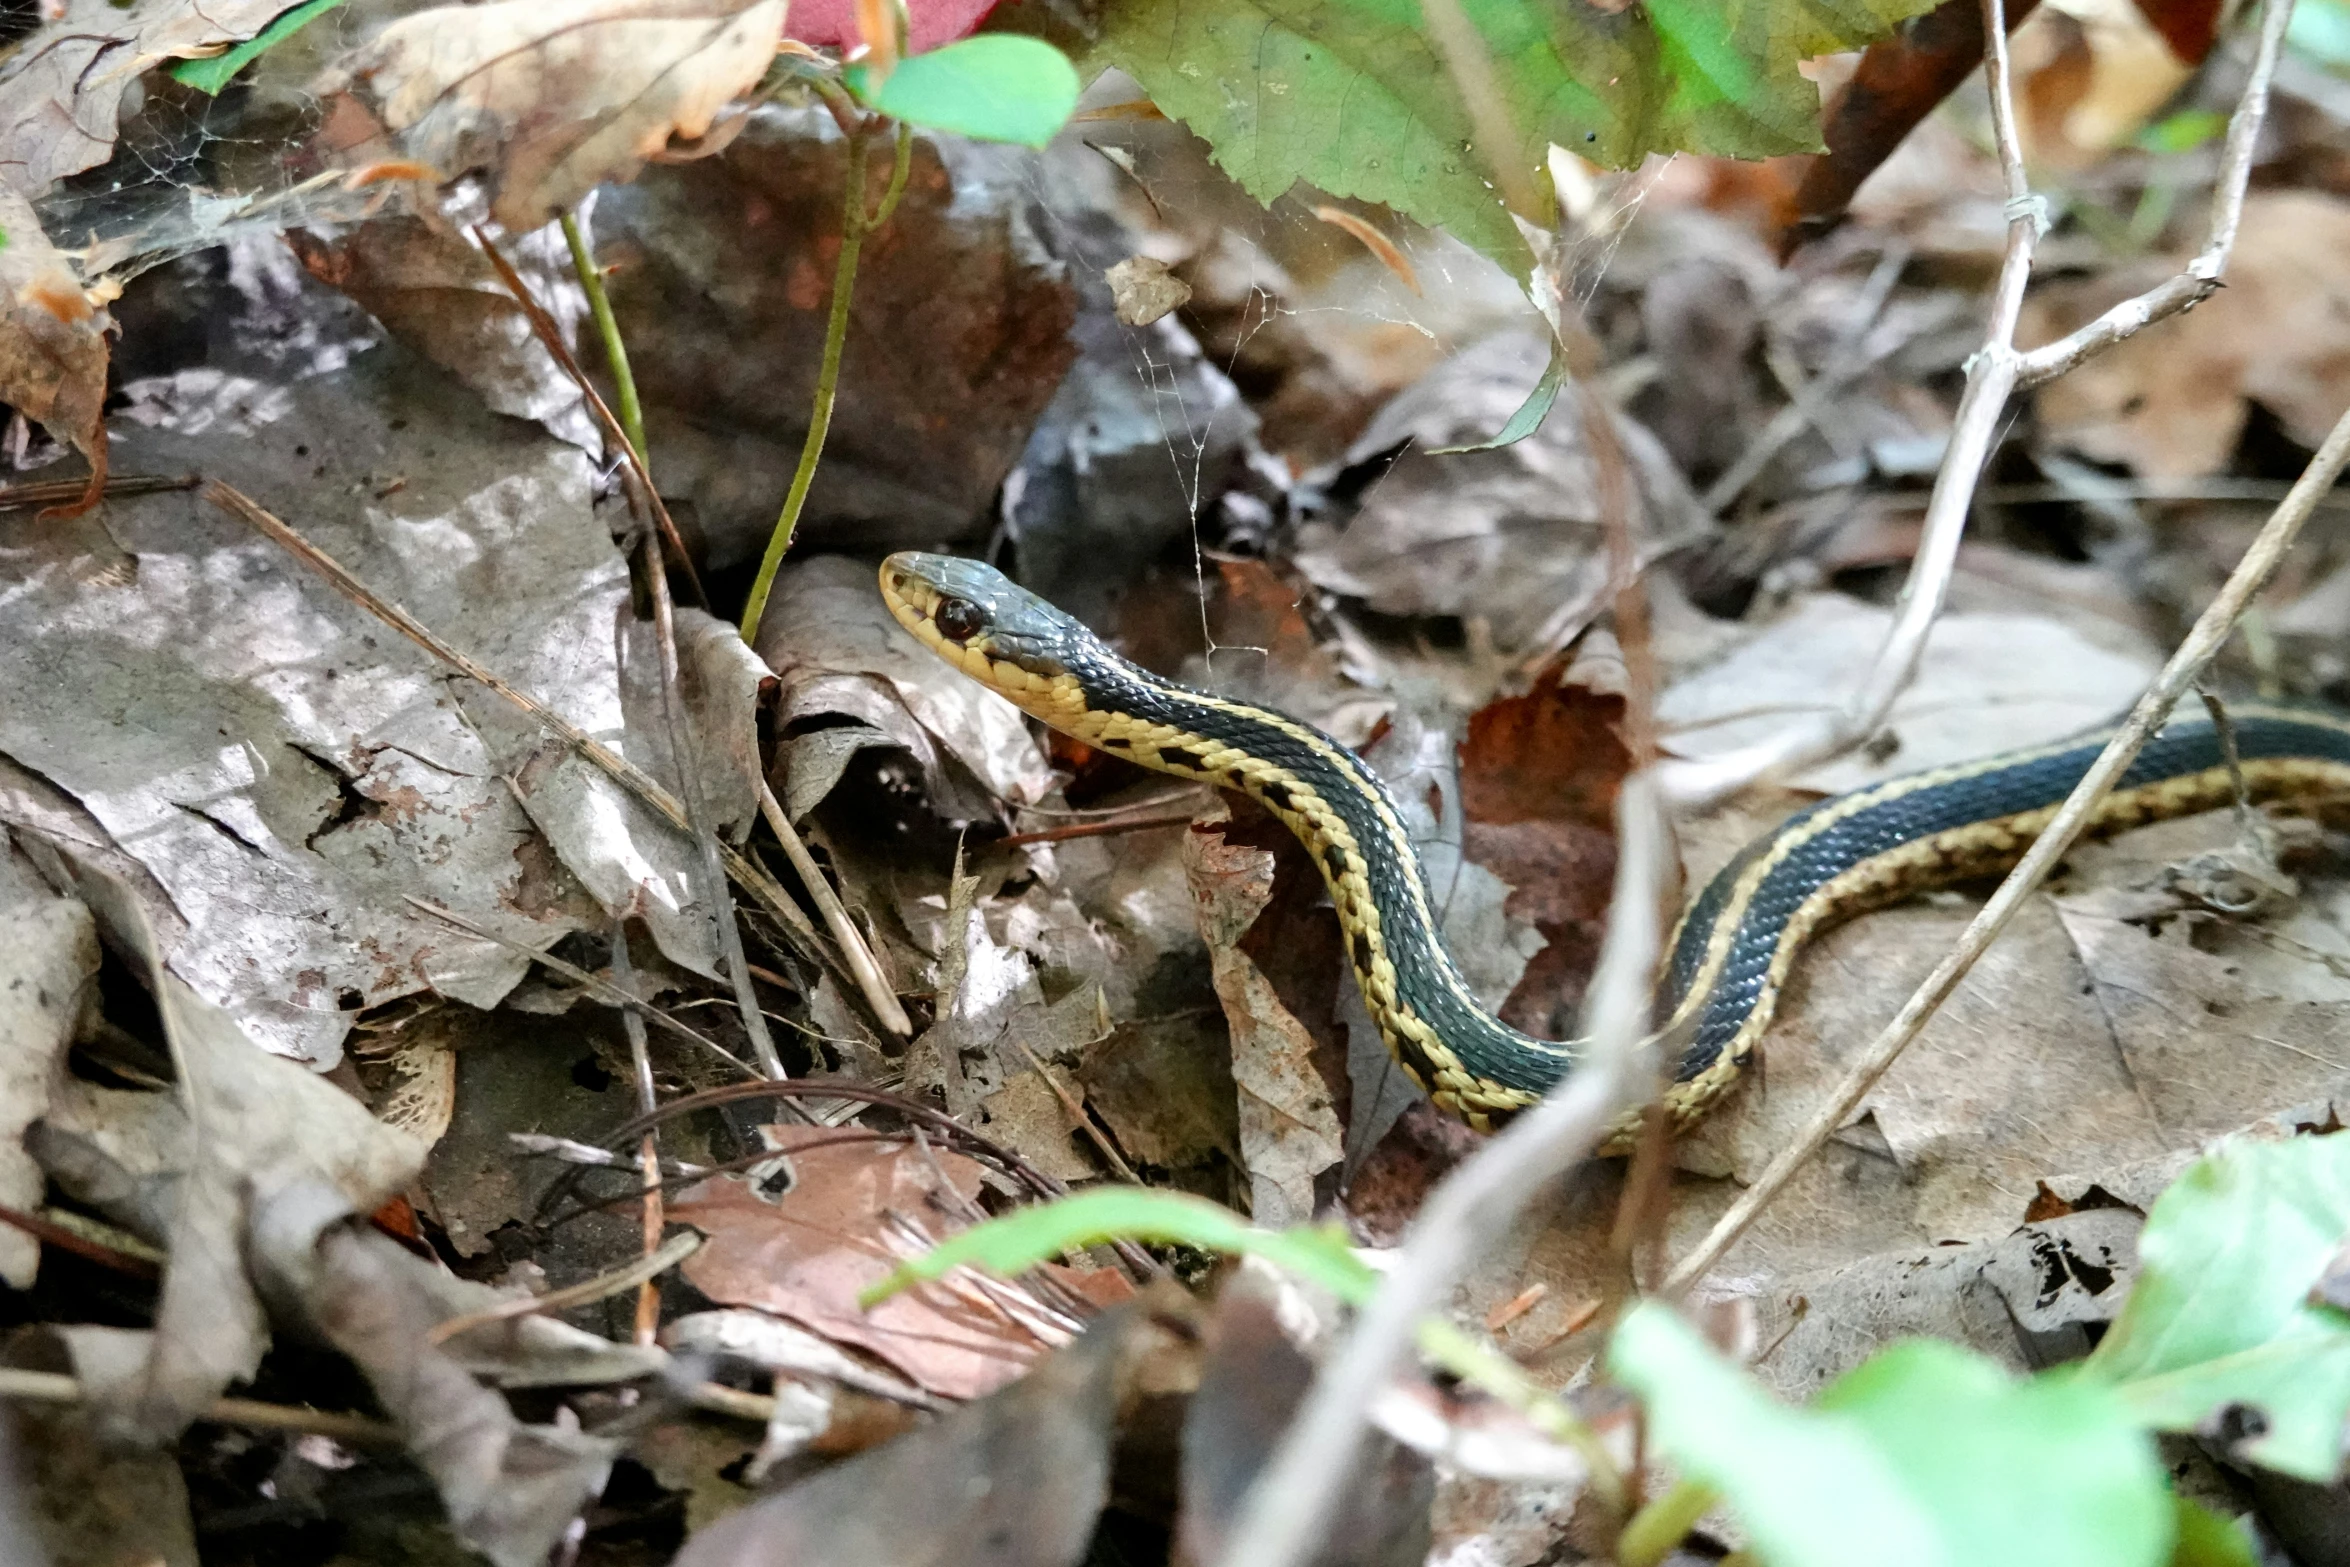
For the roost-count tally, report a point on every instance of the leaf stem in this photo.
(856, 223)
(591, 279)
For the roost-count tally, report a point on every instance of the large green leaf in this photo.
(1925, 1455)
(996, 87)
(2220, 1314)
(1349, 95)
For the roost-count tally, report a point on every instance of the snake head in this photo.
(977, 619)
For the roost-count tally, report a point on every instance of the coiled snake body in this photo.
(1735, 943)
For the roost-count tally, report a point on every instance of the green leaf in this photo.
(1350, 96)
(1925, 1454)
(994, 87)
(210, 76)
(2320, 31)
(1530, 414)
(2208, 1540)
(2220, 1317)
(2184, 131)
(1025, 1237)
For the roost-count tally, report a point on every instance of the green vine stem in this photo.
(1663, 1524)
(856, 223)
(591, 279)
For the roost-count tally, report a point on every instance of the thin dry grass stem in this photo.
(588, 1291)
(2203, 274)
(54, 1387)
(2203, 642)
(757, 882)
(550, 337)
(1285, 1517)
(647, 1326)
(863, 967)
(683, 752)
(1994, 375)
(1123, 824)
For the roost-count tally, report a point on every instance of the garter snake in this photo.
(1736, 942)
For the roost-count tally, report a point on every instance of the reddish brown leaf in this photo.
(1899, 81)
(1539, 775)
(53, 348)
(807, 1254)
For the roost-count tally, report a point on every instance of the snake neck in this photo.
(1468, 1061)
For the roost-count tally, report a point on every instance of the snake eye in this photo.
(958, 620)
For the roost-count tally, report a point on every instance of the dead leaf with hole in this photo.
(554, 97)
(2172, 401)
(855, 1209)
(53, 349)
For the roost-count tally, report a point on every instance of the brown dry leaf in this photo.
(2092, 72)
(53, 348)
(807, 1254)
(1539, 774)
(1276, 954)
(62, 90)
(555, 97)
(2171, 402)
(435, 291)
(1986, 683)
(1014, 1481)
(1511, 537)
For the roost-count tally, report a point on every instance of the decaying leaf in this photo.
(64, 89)
(1275, 955)
(1145, 290)
(53, 348)
(553, 99)
(47, 966)
(1013, 1481)
(806, 1254)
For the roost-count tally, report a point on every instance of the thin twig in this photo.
(1285, 1515)
(685, 752)
(1123, 824)
(621, 771)
(648, 1099)
(51, 492)
(550, 336)
(591, 281)
(856, 223)
(1849, 362)
(2203, 274)
(55, 1387)
(2203, 641)
(1994, 374)
(862, 965)
(602, 1287)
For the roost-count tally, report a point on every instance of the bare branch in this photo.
(2204, 640)
(2202, 275)
(1287, 1509)
(1994, 375)
(1991, 377)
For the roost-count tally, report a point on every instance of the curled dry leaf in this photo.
(52, 340)
(63, 90)
(554, 99)
(1143, 290)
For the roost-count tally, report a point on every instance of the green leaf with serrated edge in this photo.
(2219, 1315)
(1348, 95)
(2208, 1540)
(1020, 1240)
(1925, 1454)
(995, 87)
(210, 76)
